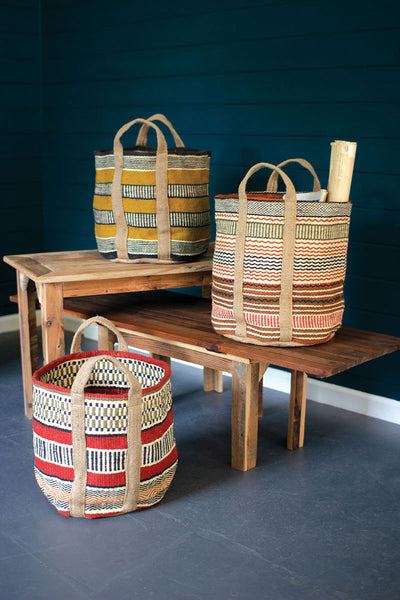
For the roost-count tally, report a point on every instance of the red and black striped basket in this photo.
(103, 431)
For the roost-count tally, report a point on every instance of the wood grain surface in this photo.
(187, 319)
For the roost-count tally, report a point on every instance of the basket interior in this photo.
(105, 377)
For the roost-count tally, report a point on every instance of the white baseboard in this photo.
(338, 396)
(10, 323)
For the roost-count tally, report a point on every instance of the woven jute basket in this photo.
(103, 430)
(279, 263)
(152, 204)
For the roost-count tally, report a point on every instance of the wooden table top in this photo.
(89, 265)
(187, 319)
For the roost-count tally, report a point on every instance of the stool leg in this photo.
(51, 300)
(28, 336)
(245, 378)
(297, 410)
(212, 380)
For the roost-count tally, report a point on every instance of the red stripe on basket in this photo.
(105, 442)
(48, 468)
(158, 431)
(67, 474)
(106, 479)
(157, 468)
(52, 434)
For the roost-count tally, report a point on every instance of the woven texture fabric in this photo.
(188, 199)
(105, 408)
(319, 267)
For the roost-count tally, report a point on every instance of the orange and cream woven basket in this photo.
(279, 264)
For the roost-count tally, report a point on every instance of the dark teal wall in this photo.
(20, 104)
(252, 81)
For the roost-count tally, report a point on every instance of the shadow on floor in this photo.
(320, 523)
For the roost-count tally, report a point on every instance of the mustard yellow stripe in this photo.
(142, 233)
(138, 177)
(105, 231)
(104, 175)
(189, 204)
(149, 206)
(150, 233)
(189, 176)
(175, 176)
(131, 205)
(187, 234)
(102, 202)
(139, 206)
(190, 234)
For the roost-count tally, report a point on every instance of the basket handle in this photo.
(142, 135)
(101, 321)
(163, 226)
(133, 435)
(272, 185)
(289, 237)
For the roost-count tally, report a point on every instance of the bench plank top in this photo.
(89, 266)
(187, 319)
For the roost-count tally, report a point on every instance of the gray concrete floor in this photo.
(316, 524)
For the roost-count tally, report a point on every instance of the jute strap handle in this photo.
(163, 227)
(289, 237)
(273, 179)
(142, 135)
(133, 434)
(76, 340)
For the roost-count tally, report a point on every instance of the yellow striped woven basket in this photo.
(152, 204)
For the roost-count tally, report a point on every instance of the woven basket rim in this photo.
(142, 151)
(77, 355)
(275, 197)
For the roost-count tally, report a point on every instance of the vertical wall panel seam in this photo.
(41, 119)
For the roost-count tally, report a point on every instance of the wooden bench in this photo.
(176, 325)
(169, 324)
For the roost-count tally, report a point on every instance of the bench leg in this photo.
(245, 379)
(28, 336)
(212, 380)
(297, 410)
(166, 359)
(262, 368)
(106, 338)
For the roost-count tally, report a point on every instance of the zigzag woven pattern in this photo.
(105, 430)
(188, 176)
(319, 268)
